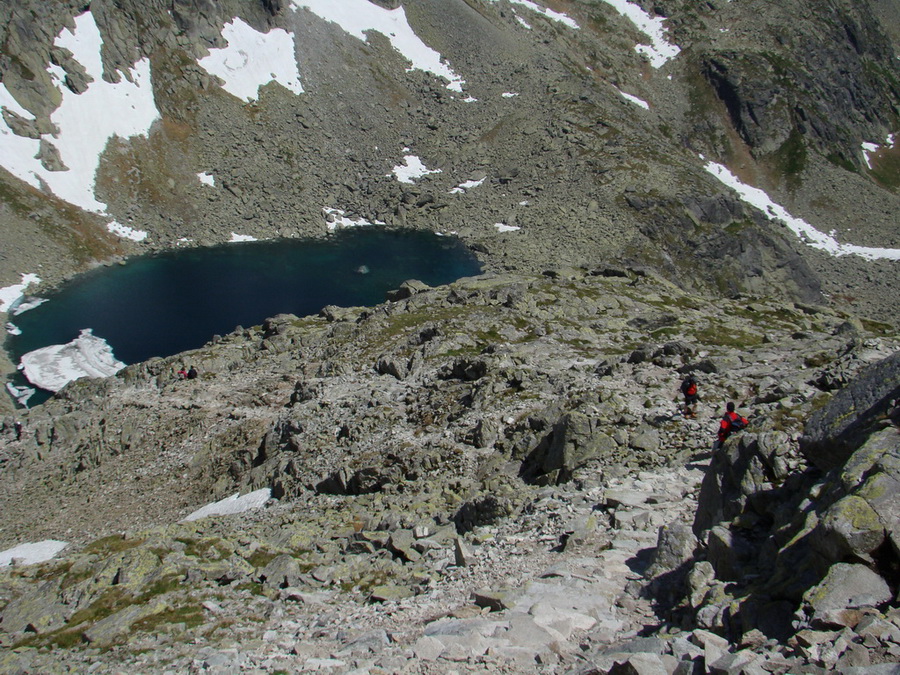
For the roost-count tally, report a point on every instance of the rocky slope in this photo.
(464, 478)
(491, 476)
(784, 96)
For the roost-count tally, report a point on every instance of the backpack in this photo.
(738, 422)
(689, 387)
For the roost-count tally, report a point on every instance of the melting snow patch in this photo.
(126, 232)
(53, 367)
(634, 99)
(28, 554)
(238, 238)
(806, 232)
(466, 185)
(870, 149)
(522, 21)
(13, 329)
(253, 59)
(411, 169)
(11, 295)
(502, 227)
(660, 50)
(356, 17)
(509, 94)
(21, 394)
(85, 121)
(207, 179)
(335, 218)
(232, 504)
(549, 13)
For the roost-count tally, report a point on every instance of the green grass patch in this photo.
(261, 557)
(112, 544)
(791, 158)
(722, 336)
(189, 615)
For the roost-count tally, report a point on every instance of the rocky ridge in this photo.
(492, 475)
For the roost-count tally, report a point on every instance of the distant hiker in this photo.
(730, 423)
(689, 389)
(192, 373)
(182, 374)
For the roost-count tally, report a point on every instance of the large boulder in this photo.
(836, 430)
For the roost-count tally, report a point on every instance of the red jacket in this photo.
(726, 426)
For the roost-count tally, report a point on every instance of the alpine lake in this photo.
(167, 303)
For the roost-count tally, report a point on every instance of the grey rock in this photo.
(836, 430)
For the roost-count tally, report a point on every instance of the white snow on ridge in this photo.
(253, 59)
(86, 121)
(806, 232)
(411, 169)
(357, 17)
(29, 554)
(231, 505)
(660, 49)
(53, 367)
(11, 295)
(544, 11)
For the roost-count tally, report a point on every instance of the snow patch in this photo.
(231, 505)
(28, 554)
(633, 99)
(21, 394)
(126, 232)
(509, 94)
(238, 238)
(503, 227)
(357, 17)
(544, 11)
(10, 296)
(207, 179)
(53, 367)
(253, 59)
(411, 169)
(466, 185)
(870, 149)
(804, 231)
(86, 121)
(660, 49)
(337, 218)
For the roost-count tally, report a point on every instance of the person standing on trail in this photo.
(689, 389)
(730, 423)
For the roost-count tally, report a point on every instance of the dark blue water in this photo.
(164, 304)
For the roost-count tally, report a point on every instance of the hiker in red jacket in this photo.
(689, 389)
(730, 423)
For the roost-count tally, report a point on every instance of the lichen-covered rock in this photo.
(836, 430)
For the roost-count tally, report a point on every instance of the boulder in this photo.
(840, 427)
(846, 586)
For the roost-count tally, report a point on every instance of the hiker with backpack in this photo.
(689, 389)
(730, 423)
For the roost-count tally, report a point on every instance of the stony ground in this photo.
(470, 479)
